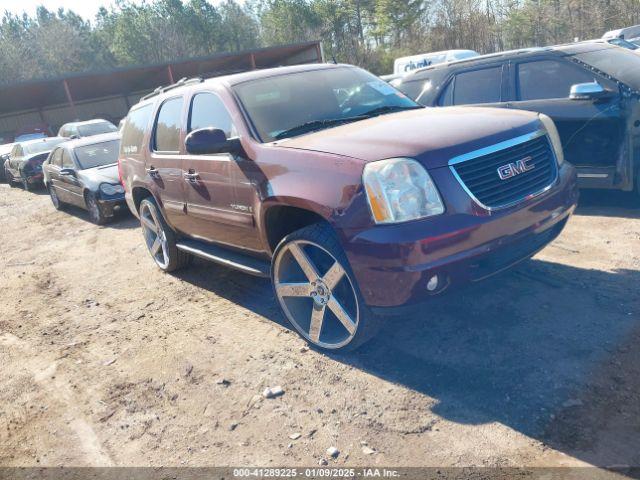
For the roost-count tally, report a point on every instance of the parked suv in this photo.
(590, 90)
(355, 200)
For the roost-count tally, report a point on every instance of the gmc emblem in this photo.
(512, 169)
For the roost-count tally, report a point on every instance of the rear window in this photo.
(43, 146)
(478, 86)
(98, 154)
(96, 129)
(133, 130)
(167, 131)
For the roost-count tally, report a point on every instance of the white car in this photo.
(404, 65)
(626, 33)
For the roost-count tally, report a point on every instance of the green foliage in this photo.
(370, 33)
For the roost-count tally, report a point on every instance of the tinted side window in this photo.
(134, 128)
(207, 110)
(166, 136)
(479, 86)
(548, 79)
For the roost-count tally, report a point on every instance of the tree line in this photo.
(369, 33)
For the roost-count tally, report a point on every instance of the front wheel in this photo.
(95, 212)
(8, 177)
(160, 238)
(25, 183)
(317, 291)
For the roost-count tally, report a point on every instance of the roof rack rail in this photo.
(180, 83)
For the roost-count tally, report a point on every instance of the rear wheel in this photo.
(57, 204)
(95, 212)
(160, 238)
(317, 291)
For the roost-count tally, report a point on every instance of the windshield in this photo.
(91, 129)
(622, 64)
(278, 106)
(97, 154)
(43, 146)
(620, 42)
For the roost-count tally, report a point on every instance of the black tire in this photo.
(55, 200)
(95, 212)
(322, 235)
(9, 178)
(172, 258)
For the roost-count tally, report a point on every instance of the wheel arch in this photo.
(282, 219)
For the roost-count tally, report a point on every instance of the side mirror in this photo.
(68, 172)
(210, 141)
(587, 91)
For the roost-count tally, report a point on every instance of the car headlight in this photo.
(109, 189)
(552, 131)
(399, 190)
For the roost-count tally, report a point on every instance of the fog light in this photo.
(433, 283)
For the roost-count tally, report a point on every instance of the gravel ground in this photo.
(105, 360)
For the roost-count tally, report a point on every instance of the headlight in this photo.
(552, 131)
(399, 190)
(109, 189)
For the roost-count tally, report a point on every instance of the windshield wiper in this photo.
(316, 125)
(389, 109)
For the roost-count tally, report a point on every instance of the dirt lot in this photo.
(104, 360)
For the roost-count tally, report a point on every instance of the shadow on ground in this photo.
(524, 349)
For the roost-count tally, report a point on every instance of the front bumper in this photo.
(394, 263)
(112, 205)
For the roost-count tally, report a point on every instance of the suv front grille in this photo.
(479, 172)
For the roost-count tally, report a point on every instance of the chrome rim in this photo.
(54, 197)
(154, 235)
(316, 294)
(93, 208)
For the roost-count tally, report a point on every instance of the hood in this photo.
(432, 135)
(98, 175)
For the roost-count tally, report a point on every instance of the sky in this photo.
(84, 8)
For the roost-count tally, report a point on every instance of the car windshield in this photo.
(43, 146)
(293, 104)
(97, 154)
(91, 129)
(622, 64)
(620, 42)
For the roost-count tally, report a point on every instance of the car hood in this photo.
(98, 175)
(432, 135)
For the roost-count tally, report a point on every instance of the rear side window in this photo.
(549, 79)
(479, 86)
(166, 136)
(133, 130)
(207, 110)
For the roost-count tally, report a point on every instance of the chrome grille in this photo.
(479, 173)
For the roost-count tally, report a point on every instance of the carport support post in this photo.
(252, 61)
(67, 90)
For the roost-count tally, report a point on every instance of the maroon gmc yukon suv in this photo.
(354, 199)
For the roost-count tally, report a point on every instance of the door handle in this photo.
(191, 175)
(152, 171)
